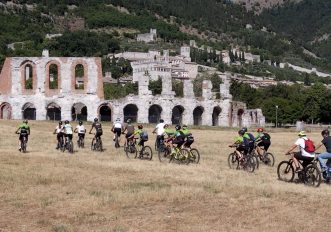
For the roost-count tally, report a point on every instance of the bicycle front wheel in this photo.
(250, 164)
(147, 153)
(131, 151)
(233, 161)
(269, 159)
(164, 154)
(194, 156)
(285, 171)
(312, 176)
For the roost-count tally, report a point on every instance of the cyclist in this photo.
(159, 130)
(168, 134)
(189, 139)
(129, 129)
(98, 129)
(262, 140)
(178, 138)
(249, 140)
(239, 143)
(59, 131)
(326, 155)
(68, 131)
(302, 154)
(117, 129)
(24, 131)
(142, 135)
(80, 129)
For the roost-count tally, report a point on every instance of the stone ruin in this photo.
(71, 88)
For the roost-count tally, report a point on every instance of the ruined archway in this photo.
(105, 113)
(216, 113)
(130, 112)
(79, 112)
(53, 112)
(197, 115)
(177, 115)
(29, 111)
(240, 117)
(5, 111)
(154, 114)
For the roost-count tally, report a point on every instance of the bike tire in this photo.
(131, 151)
(256, 160)
(71, 147)
(147, 153)
(312, 176)
(233, 161)
(285, 171)
(194, 156)
(164, 154)
(63, 148)
(117, 145)
(185, 154)
(250, 164)
(269, 159)
(23, 145)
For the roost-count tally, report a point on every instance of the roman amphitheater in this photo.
(71, 88)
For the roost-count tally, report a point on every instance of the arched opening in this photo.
(177, 115)
(216, 113)
(154, 114)
(29, 111)
(79, 76)
(197, 115)
(105, 113)
(5, 111)
(53, 112)
(53, 76)
(79, 112)
(28, 76)
(130, 112)
(240, 117)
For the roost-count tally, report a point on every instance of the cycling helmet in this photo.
(166, 126)
(25, 121)
(177, 127)
(96, 119)
(161, 120)
(302, 134)
(244, 129)
(259, 130)
(128, 121)
(241, 132)
(60, 122)
(80, 123)
(66, 122)
(118, 119)
(184, 126)
(140, 127)
(325, 132)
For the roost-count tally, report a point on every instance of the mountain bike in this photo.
(116, 141)
(247, 162)
(23, 144)
(180, 156)
(130, 148)
(194, 154)
(80, 141)
(267, 158)
(96, 144)
(309, 174)
(68, 145)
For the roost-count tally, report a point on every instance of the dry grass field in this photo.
(47, 190)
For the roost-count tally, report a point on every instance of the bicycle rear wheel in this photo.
(250, 164)
(23, 145)
(131, 151)
(194, 156)
(147, 153)
(117, 145)
(256, 160)
(312, 176)
(269, 159)
(285, 171)
(233, 161)
(71, 147)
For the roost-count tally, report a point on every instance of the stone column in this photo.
(167, 85)
(207, 115)
(188, 89)
(225, 116)
(143, 86)
(206, 90)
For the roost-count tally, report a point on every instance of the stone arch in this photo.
(5, 111)
(79, 74)
(53, 112)
(28, 75)
(79, 112)
(240, 117)
(105, 113)
(177, 114)
(29, 111)
(130, 111)
(154, 114)
(215, 117)
(197, 115)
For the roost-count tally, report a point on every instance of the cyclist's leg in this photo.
(322, 158)
(296, 156)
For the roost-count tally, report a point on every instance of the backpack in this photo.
(309, 146)
(251, 137)
(98, 127)
(266, 136)
(144, 135)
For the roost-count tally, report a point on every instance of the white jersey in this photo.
(160, 128)
(117, 125)
(68, 129)
(59, 129)
(80, 129)
(301, 143)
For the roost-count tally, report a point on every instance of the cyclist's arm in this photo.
(91, 129)
(18, 129)
(291, 149)
(318, 146)
(75, 130)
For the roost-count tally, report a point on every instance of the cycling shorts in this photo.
(118, 131)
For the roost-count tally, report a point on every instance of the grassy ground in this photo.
(46, 190)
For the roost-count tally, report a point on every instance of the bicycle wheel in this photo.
(23, 146)
(233, 161)
(312, 176)
(64, 147)
(71, 147)
(155, 145)
(256, 160)
(147, 153)
(164, 154)
(181, 156)
(194, 156)
(249, 164)
(100, 148)
(131, 151)
(269, 159)
(117, 145)
(285, 171)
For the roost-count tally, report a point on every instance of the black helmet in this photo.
(25, 121)
(60, 122)
(96, 119)
(241, 132)
(177, 127)
(161, 120)
(165, 126)
(128, 121)
(80, 123)
(244, 129)
(66, 122)
(140, 126)
(325, 132)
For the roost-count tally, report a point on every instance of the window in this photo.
(28, 76)
(79, 76)
(53, 77)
